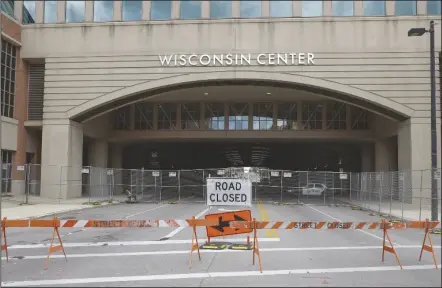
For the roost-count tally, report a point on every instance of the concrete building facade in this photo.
(81, 69)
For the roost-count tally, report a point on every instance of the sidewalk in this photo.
(396, 210)
(15, 210)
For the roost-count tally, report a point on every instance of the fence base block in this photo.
(428, 248)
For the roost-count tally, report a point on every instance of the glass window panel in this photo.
(374, 8)
(132, 10)
(8, 79)
(359, 118)
(336, 116)
(143, 116)
(7, 6)
(287, 116)
(311, 8)
(312, 116)
(75, 11)
(28, 12)
(434, 7)
(250, 9)
(190, 116)
(220, 9)
(262, 116)
(281, 9)
(161, 10)
(405, 7)
(342, 8)
(167, 116)
(50, 12)
(103, 11)
(190, 9)
(214, 115)
(239, 116)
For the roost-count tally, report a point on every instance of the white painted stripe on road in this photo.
(362, 231)
(230, 274)
(179, 229)
(135, 243)
(177, 252)
(148, 210)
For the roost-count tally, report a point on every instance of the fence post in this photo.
(59, 190)
(349, 195)
(282, 175)
(381, 191)
(204, 186)
(391, 196)
(420, 198)
(403, 196)
(27, 168)
(179, 185)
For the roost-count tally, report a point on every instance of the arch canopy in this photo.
(345, 93)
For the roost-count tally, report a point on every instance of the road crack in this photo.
(208, 270)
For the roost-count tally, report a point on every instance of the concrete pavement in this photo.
(137, 257)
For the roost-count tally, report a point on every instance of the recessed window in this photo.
(374, 8)
(434, 7)
(8, 65)
(50, 12)
(342, 8)
(132, 10)
(250, 9)
(281, 8)
(7, 6)
(311, 8)
(161, 10)
(405, 8)
(75, 11)
(190, 9)
(28, 12)
(103, 11)
(220, 9)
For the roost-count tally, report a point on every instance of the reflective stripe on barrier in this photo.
(334, 225)
(174, 223)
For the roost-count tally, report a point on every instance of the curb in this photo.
(64, 211)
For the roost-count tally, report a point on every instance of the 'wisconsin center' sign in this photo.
(229, 192)
(237, 59)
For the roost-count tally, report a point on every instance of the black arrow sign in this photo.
(223, 224)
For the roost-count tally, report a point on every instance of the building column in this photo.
(414, 156)
(98, 153)
(367, 154)
(39, 11)
(62, 155)
(61, 11)
(384, 155)
(116, 158)
(18, 10)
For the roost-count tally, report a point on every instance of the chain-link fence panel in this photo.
(192, 185)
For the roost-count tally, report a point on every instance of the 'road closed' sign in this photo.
(229, 192)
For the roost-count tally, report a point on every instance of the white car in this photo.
(314, 189)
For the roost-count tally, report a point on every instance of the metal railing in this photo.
(405, 195)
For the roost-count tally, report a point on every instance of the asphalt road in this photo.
(138, 257)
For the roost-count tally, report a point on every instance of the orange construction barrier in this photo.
(5, 245)
(388, 248)
(52, 248)
(195, 245)
(426, 247)
(224, 228)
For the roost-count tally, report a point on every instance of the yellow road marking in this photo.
(265, 217)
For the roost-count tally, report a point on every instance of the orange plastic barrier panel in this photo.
(223, 228)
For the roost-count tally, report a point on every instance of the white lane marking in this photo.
(230, 274)
(148, 210)
(179, 229)
(227, 210)
(176, 252)
(362, 231)
(134, 243)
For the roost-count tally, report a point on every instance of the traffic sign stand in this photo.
(426, 247)
(56, 248)
(256, 246)
(4, 246)
(195, 245)
(388, 248)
